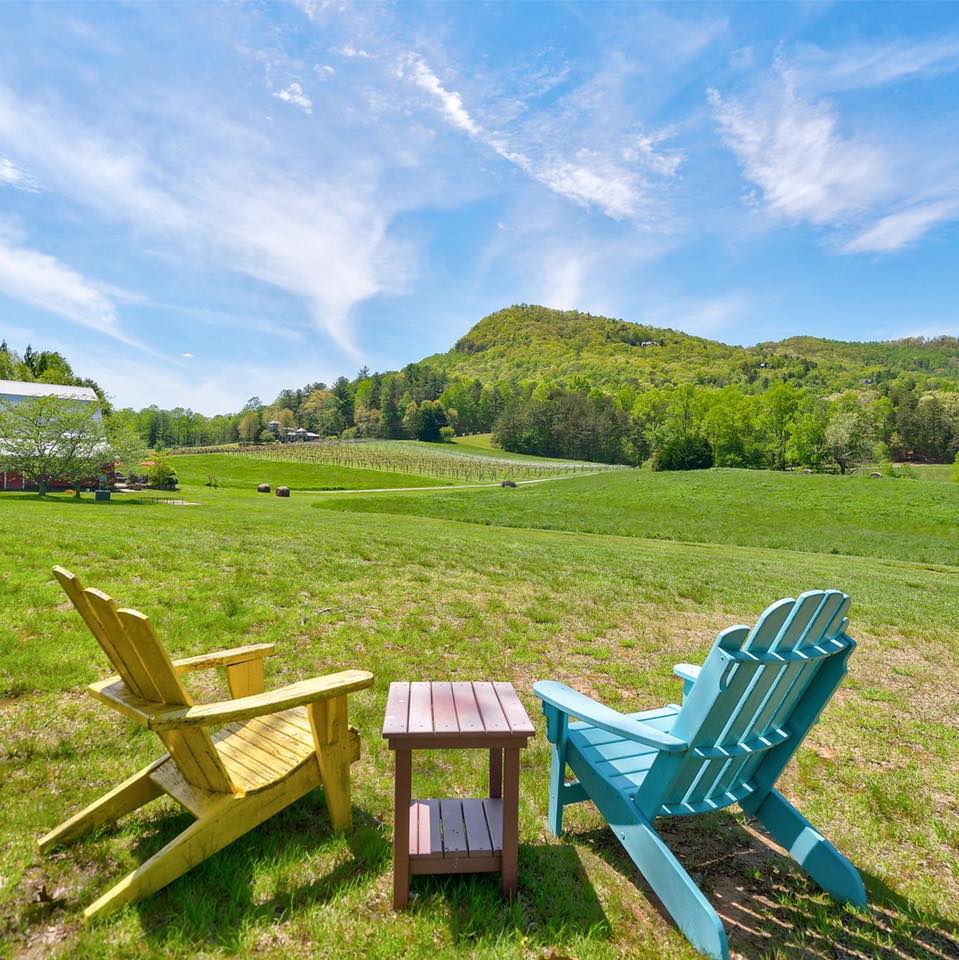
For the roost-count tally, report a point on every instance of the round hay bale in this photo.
(282, 491)
(262, 488)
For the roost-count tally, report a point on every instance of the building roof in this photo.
(21, 388)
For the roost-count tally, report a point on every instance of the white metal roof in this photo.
(20, 388)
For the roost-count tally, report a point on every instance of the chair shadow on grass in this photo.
(217, 901)
(560, 906)
(769, 907)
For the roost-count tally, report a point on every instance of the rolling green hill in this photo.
(531, 342)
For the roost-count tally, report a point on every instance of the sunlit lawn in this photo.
(898, 518)
(414, 597)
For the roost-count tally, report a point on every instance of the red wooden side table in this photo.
(456, 836)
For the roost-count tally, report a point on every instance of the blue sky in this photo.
(199, 203)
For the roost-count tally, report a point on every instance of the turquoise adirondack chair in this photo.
(744, 713)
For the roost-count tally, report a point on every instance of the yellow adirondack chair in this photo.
(268, 751)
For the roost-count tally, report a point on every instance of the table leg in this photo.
(402, 796)
(496, 772)
(510, 821)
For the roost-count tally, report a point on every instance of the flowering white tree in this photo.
(45, 439)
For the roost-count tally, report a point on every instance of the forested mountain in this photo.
(568, 384)
(531, 342)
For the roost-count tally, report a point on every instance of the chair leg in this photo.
(224, 821)
(685, 902)
(200, 840)
(122, 799)
(809, 848)
(335, 751)
(557, 781)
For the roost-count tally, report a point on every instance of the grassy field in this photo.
(899, 519)
(421, 596)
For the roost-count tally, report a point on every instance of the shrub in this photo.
(161, 474)
(683, 452)
(447, 434)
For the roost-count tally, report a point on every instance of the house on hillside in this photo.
(300, 435)
(16, 391)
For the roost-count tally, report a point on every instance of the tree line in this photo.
(772, 423)
(688, 427)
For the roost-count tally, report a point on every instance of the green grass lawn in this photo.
(244, 473)
(940, 472)
(422, 597)
(899, 519)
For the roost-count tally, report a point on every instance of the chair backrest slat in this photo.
(127, 653)
(129, 640)
(737, 701)
(701, 723)
(811, 612)
(73, 588)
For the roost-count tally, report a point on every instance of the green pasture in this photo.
(640, 572)
(891, 518)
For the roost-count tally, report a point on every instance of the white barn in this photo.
(13, 391)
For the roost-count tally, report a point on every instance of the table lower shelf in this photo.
(456, 836)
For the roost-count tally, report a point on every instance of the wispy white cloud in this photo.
(294, 94)
(863, 65)
(902, 228)
(878, 187)
(12, 176)
(351, 52)
(223, 197)
(43, 281)
(614, 180)
(794, 152)
(108, 174)
(451, 103)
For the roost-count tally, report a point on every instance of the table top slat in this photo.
(397, 709)
(519, 721)
(460, 714)
(494, 720)
(467, 712)
(421, 708)
(444, 709)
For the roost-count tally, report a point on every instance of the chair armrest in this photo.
(568, 701)
(245, 708)
(224, 658)
(687, 672)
